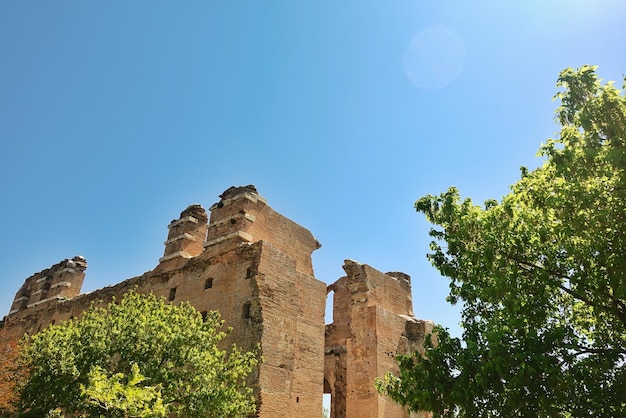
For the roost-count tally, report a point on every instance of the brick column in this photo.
(187, 234)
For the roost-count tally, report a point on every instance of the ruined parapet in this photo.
(243, 216)
(60, 282)
(391, 290)
(254, 268)
(372, 322)
(186, 235)
(232, 217)
(414, 335)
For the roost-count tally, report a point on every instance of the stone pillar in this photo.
(187, 234)
(372, 322)
(232, 218)
(61, 281)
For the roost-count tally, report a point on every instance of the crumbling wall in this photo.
(372, 323)
(254, 266)
(250, 263)
(60, 282)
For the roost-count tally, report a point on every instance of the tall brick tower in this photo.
(256, 270)
(372, 322)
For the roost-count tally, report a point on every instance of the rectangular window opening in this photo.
(245, 311)
(172, 294)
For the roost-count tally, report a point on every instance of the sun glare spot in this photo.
(434, 58)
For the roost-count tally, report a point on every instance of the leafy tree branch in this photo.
(541, 278)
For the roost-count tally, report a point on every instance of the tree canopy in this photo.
(541, 278)
(138, 357)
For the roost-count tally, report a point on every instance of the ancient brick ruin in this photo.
(254, 266)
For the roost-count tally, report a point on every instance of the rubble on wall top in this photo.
(196, 211)
(351, 262)
(399, 275)
(77, 261)
(412, 319)
(234, 191)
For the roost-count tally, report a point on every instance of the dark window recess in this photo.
(208, 283)
(172, 294)
(245, 312)
(205, 315)
(249, 273)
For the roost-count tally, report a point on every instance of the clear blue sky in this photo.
(116, 115)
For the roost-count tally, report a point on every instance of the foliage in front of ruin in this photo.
(541, 275)
(13, 373)
(139, 357)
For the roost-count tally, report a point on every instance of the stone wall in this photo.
(60, 282)
(372, 323)
(254, 266)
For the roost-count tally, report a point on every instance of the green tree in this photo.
(139, 357)
(123, 397)
(541, 278)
